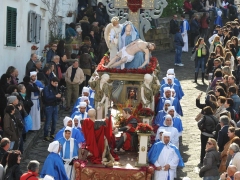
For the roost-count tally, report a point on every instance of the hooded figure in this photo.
(76, 122)
(69, 152)
(166, 158)
(76, 134)
(170, 72)
(162, 113)
(177, 122)
(168, 127)
(81, 99)
(53, 168)
(81, 111)
(170, 83)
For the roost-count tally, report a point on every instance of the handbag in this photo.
(198, 117)
(193, 56)
(28, 123)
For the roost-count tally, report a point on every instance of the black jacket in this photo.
(49, 95)
(173, 26)
(222, 138)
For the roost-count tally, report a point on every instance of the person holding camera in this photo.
(51, 100)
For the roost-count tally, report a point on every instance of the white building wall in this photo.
(18, 56)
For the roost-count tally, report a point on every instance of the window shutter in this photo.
(38, 28)
(11, 26)
(30, 27)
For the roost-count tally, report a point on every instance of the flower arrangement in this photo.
(149, 69)
(145, 112)
(144, 128)
(34, 47)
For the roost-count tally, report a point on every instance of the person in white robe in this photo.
(166, 158)
(69, 152)
(35, 109)
(184, 30)
(177, 122)
(168, 127)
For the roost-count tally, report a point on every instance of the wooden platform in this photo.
(123, 170)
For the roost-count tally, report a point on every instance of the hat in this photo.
(85, 89)
(166, 89)
(82, 104)
(33, 73)
(53, 147)
(171, 108)
(78, 118)
(11, 99)
(168, 102)
(84, 98)
(170, 71)
(65, 120)
(168, 116)
(186, 178)
(173, 90)
(161, 130)
(167, 133)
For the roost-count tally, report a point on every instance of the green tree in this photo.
(173, 7)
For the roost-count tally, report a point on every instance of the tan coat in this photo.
(78, 78)
(222, 167)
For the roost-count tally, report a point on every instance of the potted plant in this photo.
(144, 128)
(146, 112)
(34, 48)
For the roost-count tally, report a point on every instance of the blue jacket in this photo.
(50, 55)
(178, 40)
(236, 103)
(49, 95)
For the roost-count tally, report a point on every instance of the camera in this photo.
(62, 89)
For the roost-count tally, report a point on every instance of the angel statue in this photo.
(111, 34)
(148, 90)
(102, 94)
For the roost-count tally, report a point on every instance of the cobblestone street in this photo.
(190, 146)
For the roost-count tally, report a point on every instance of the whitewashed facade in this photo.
(19, 53)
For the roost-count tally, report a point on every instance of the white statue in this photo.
(148, 90)
(112, 34)
(102, 94)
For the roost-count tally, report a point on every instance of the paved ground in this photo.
(190, 147)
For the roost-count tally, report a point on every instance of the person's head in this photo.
(12, 100)
(82, 107)
(199, 41)
(237, 175)
(231, 79)
(22, 89)
(167, 103)
(231, 170)
(85, 91)
(47, 70)
(231, 132)
(67, 121)
(175, 17)
(233, 148)
(217, 62)
(216, 39)
(208, 110)
(168, 120)
(60, 46)
(221, 100)
(33, 166)
(226, 71)
(167, 92)
(76, 120)
(91, 33)
(228, 63)
(148, 78)
(218, 73)
(161, 133)
(224, 120)
(5, 79)
(211, 143)
(219, 50)
(126, 112)
(11, 71)
(100, 5)
(151, 46)
(85, 50)
(33, 76)
(170, 79)
(183, 15)
(232, 90)
(5, 144)
(54, 147)
(56, 59)
(10, 109)
(54, 81)
(228, 103)
(92, 113)
(166, 137)
(67, 133)
(75, 64)
(11, 89)
(13, 159)
(212, 55)
(38, 64)
(33, 57)
(54, 47)
(171, 111)
(220, 92)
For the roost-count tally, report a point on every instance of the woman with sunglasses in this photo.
(209, 170)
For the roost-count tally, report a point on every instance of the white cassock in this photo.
(174, 134)
(167, 156)
(185, 37)
(35, 112)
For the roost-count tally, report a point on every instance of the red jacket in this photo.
(187, 6)
(29, 176)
